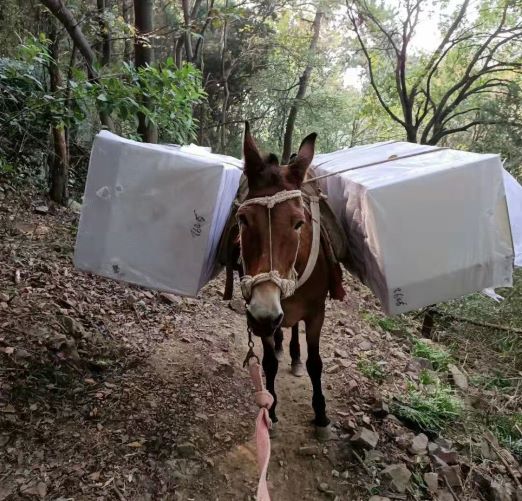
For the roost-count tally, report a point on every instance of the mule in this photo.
(276, 235)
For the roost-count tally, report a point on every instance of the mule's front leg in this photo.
(314, 365)
(270, 365)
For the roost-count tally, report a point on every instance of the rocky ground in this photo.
(108, 391)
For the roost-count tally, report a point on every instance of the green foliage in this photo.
(438, 356)
(163, 93)
(508, 430)
(24, 110)
(389, 324)
(431, 406)
(371, 369)
(28, 108)
(496, 381)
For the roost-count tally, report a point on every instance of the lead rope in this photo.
(264, 401)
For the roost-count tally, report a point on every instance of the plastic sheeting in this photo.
(423, 229)
(514, 201)
(153, 214)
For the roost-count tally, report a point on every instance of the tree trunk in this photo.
(105, 33)
(188, 35)
(226, 90)
(143, 13)
(411, 134)
(178, 52)
(60, 163)
(126, 11)
(301, 91)
(65, 16)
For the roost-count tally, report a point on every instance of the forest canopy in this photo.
(181, 71)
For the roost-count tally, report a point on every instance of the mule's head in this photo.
(270, 238)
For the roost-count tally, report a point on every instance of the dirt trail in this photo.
(111, 392)
(292, 474)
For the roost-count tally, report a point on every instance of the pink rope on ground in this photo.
(263, 424)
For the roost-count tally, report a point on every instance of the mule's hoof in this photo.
(279, 354)
(323, 433)
(298, 369)
(272, 432)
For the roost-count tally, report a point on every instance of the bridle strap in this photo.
(288, 285)
(315, 214)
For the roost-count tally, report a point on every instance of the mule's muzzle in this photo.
(264, 326)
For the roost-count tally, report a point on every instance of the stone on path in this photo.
(419, 444)
(432, 481)
(458, 377)
(397, 476)
(365, 438)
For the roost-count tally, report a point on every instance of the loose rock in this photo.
(458, 377)
(332, 369)
(419, 444)
(381, 409)
(365, 438)
(452, 475)
(365, 346)
(432, 481)
(397, 476)
(170, 298)
(309, 450)
(499, 492)
(340, 353)
(448, 457)
(41, 209)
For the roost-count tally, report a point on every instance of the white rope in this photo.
(288, 285)
(392, 158)
(271, 201)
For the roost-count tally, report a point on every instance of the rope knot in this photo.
(264, 399)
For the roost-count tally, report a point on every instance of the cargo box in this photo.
(152, 215)
(424, 224)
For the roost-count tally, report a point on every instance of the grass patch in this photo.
(371, 369)
(430, 407)
(508, 430)
(386, 323)
(439, 357)
(495, 381)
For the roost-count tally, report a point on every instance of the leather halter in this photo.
(288, 285)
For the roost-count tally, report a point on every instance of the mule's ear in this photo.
(253, 162)
(303, 159)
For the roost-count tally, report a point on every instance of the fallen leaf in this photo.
(95, 476)
(136, 444)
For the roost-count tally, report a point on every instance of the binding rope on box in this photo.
(392, 158)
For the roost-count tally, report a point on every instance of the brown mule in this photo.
(275, 232)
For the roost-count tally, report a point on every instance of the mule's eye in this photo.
(298, 225)
(242, 220)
